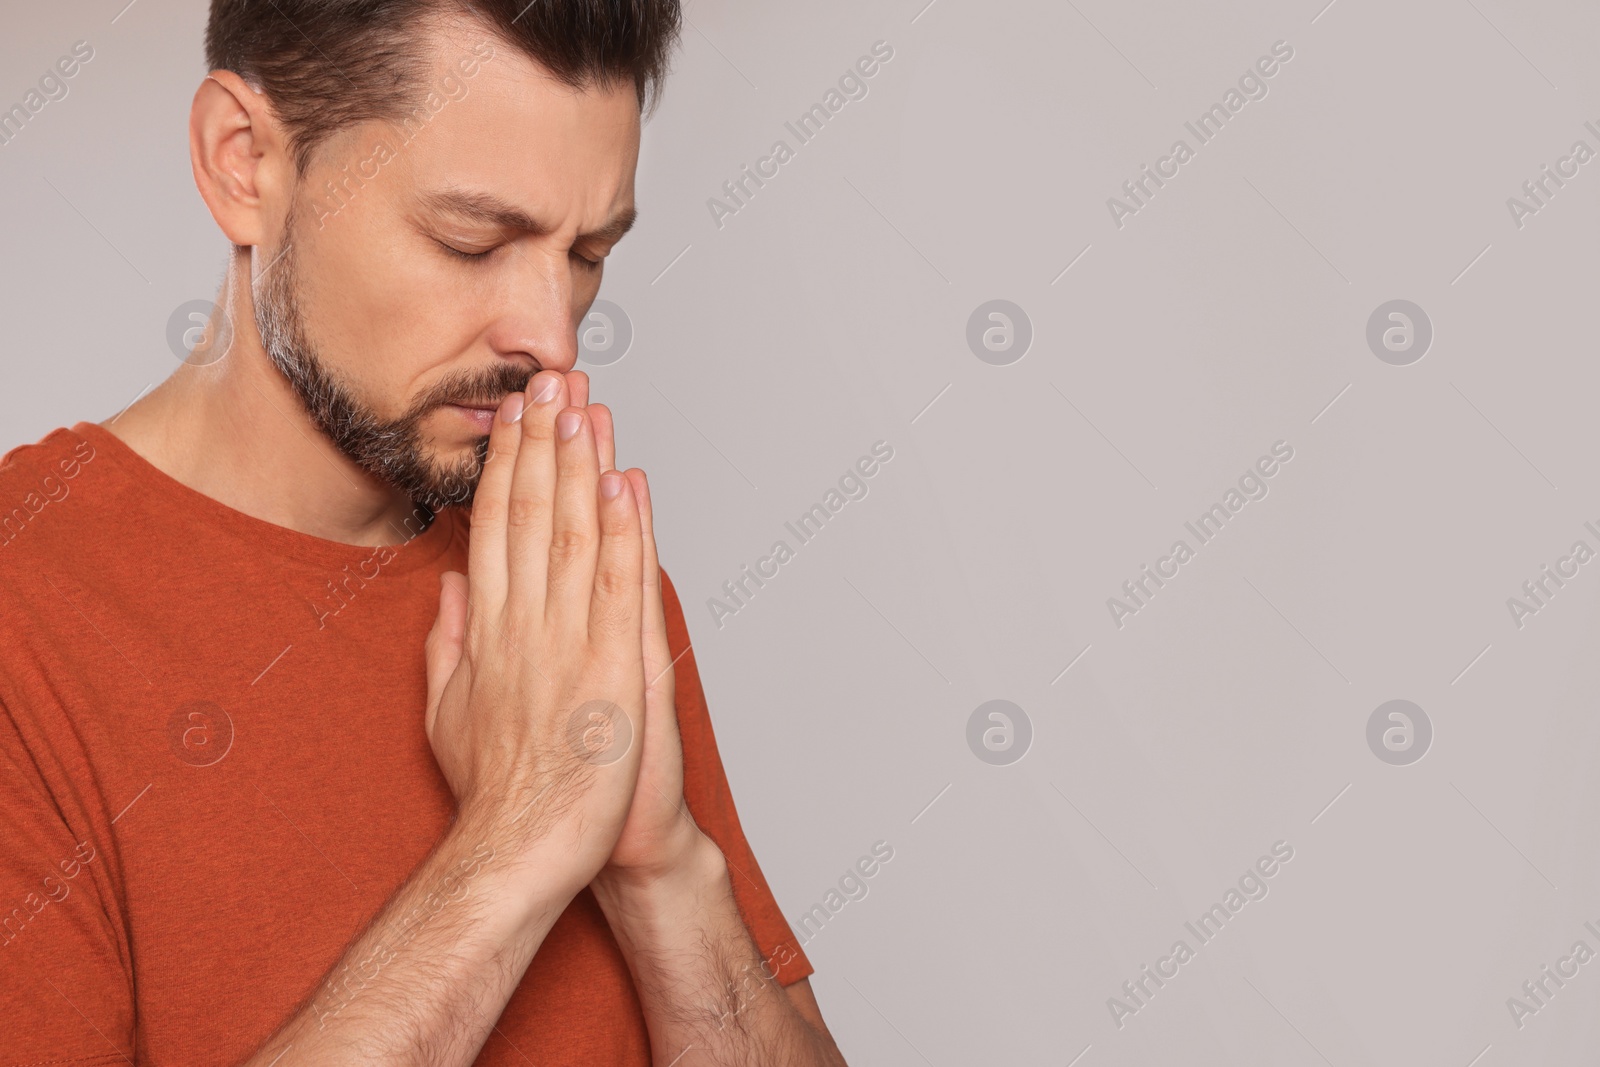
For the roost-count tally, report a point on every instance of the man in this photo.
(282, 784)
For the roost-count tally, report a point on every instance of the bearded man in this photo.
(346, 716)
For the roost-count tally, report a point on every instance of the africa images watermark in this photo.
(1252, 86)
(52, 489)
(351, 978)
(350, 582)
(1538, 189)
(1252, 486)
(450, 89)
(200, 732)
(52, 86)
(852, 85)
(1537, 992)
(852, 885)
(852, 486)
(1540, 589)
(1252, 886)
(749, 983)
(342, 588)
(55, 891)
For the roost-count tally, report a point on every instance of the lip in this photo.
(481, 415)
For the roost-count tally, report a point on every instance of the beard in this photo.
(392, 449)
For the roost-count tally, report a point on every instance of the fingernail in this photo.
(547, 390)
(567, 424)
(511, 408)
(610, 484)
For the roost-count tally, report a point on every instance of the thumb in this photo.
(443, 648)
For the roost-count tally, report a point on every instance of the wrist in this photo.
(691, 876)
(535, 879)
(658, 855)
(686, 945)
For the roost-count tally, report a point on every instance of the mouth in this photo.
(480, 415)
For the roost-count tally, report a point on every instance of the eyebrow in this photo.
(494, 211)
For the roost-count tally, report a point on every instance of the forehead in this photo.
(489, 117)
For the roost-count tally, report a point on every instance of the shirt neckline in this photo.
(417, 552)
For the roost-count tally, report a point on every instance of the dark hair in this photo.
(329, 64)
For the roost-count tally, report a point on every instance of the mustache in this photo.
(475, 388)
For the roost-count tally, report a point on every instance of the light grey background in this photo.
(1228, 314)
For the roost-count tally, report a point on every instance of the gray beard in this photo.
(393, 450)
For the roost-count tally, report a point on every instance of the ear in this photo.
(240, 158)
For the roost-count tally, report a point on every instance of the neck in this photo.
(236, 431)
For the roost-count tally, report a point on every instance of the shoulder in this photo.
(58, 455)
(40, 485)
(33, 476)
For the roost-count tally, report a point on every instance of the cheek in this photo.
(393, 331)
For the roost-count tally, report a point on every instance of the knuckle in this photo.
(472, 652)
(482, 640)
(487, 511)
(613, 584)
(524, 510)
(472, 643)
(567, 544)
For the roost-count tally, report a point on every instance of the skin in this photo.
(562, 568)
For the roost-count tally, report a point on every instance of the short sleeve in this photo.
(65, 980)
(710, 800)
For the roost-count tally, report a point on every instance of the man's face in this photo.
(400, 347)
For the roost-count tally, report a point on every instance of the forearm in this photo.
(700, 978)
(425, 982)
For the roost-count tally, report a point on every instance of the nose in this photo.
(538, 318)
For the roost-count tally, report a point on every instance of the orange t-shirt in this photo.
(214, 773)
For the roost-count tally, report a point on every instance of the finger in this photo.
(614, 611)
(532, 496)
(605, 442)
(575, 524)
(486, 549)
(578, 396)
(442, 650)
(577, 388)
(653, 625)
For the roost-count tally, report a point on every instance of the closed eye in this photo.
(459, 254)
(589, 264)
